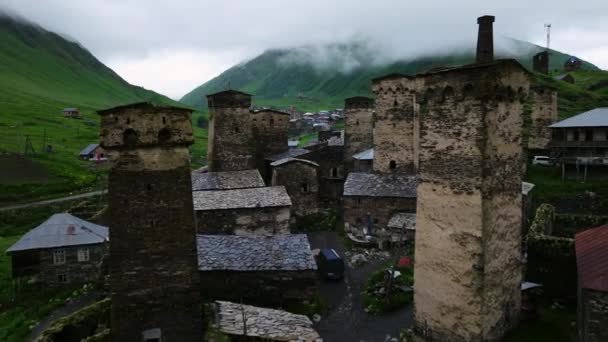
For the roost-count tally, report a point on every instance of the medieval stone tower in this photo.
(358, 127)
(540, 62)
(230, 146)
(468, 221)
(153, 270)
(543, 113)
(395, 147)
(270, 135)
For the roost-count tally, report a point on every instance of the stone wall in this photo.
(543, 114)
(358, 127)
(593, 316)
(358, 210)
(269, 135)
(394, 132)
(153, 268)
(230, 146)
(243, 221)
(468, 220)
(74, 271)
(363, 166)
(331, 174)
(264, 288)
(301, 181)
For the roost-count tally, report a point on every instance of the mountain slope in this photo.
(284, 77)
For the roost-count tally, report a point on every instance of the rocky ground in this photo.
(344, 318)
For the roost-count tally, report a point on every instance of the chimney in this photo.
(485, 39)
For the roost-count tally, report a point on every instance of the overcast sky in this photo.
(173, 46)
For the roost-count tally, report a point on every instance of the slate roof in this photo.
(292, 152)
(592, 258)
(287, 252)
(380, 185)
(56, 232)
(274, 196)
(227, 180)
(89, 149)
(365, 155)
(152, 106)
(71, 109)
(597, 117)
(290, 160)
(403, 221)
(526, 188)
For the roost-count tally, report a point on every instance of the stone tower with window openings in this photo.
(231, 146)
(358, 127)
(154, 277)
(395, 147)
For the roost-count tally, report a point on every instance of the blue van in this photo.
(330, 264)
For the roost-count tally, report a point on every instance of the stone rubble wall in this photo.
(358, 133)
(293, 176)
(244, 221)
(230, 146)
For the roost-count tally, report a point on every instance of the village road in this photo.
(344, 319)
(54, 200)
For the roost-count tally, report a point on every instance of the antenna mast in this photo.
(548, 27)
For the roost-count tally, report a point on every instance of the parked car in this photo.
(541, 160)
(330, 264)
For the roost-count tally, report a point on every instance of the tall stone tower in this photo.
(468, 218)
(154, 268)
(395, 147)
(540, 62)
(485, 39)
(358, 127)
(270, 135)
(231, 146)
(544, 113)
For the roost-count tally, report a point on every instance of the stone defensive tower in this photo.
(231, 146)
(358, 127)
(468, 221)
(540, 62)
(154, 266)
(395, 143)
(485, 39)
(544, 113)
(270, 135)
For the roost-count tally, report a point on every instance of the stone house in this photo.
(592, 263)
(565, 77)
(92, 152)
(247, 212)
(358, 127)
(226, 180)
(62, 250)
(72, 113)
(572, 64)
(540, 62)
(301, 180)
(371, 200)
(292, 152)
(330, 157)
(582, 138)
(273, 271)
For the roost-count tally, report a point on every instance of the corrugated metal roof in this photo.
(365, 155)
(592, 258)
(597, 117)
(89, 149)
(61, 230)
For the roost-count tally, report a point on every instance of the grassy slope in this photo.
(40, 74)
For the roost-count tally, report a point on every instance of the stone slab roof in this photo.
(403, 221)
(273, 196)
(263, 323)
(227, 180)
(287, 252)
(290, 153)
(380, 185)
(61, 230)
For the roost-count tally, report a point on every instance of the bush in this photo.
(374, 296)
(319, 222)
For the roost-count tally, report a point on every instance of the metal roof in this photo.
(380, 185)
(291, 152)
(597, 117)
(286, 252)
(592, 258)
(365, 155)
(289, 160)
(226, 180)
(526, 188)
(71, 109)
(89, 149)
(274, 196)
(61, 230)
(293, 143)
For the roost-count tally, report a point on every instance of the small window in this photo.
(62, 277)
(305, 187)
(357, 123)
(392, 165)
(59, 257)
(128, 120)
(152, 335)
(358, 201)
(164, 120)
(334, 172)
(150, 187)
(236, 129)
(83, 254)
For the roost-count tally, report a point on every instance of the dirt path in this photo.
(54, 200)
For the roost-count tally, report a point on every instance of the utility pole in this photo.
(548, 27)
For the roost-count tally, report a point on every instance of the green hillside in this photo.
(275, 82)
(40, 74)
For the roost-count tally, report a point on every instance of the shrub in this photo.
(374, 296)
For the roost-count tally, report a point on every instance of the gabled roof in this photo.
(89, 149)
(228, 92)
(526, 188)
(597, 117)
(144, 104)
(290, 153)
(365, 155)
(274, 196)
(226, 180)
(291, 160)
(592, 258)
(286, 252)
(61, 230)
(268, 110)
(380, 185)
